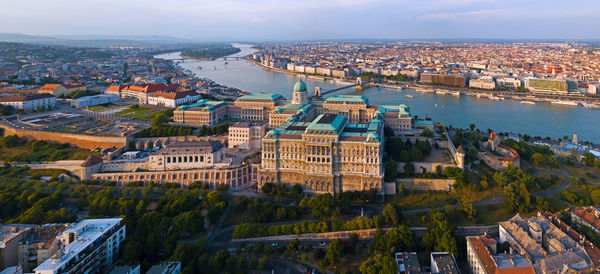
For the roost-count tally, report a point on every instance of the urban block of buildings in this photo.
(88, 246)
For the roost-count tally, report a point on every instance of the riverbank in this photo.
(302, 75)
(539, 119)
(210, 54)
(492, 94)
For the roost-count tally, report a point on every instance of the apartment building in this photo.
(88, 246)
(483, 258)
(29, 101)
(548, 248)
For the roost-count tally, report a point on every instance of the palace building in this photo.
(202, 113)
(187, 155)
(327, 154)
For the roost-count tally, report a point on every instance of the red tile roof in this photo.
(49, 87)
(174, 95)
(25, 97)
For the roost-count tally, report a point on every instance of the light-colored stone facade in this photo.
(202, 113)
(233, 177)
(245, 135)
(325, 155)
(187, 155)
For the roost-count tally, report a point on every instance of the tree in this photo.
(427, 133)
(409, 168)
(293, 246)
(378, 264)
(267, 188)
(392, 214)
(438, 236)
(391, 170)
(589, 159)
(333, 253)
(262, 263)
(160, 120)
(296, 190)
(516, 197)
(596, 196)
(404, 156)
(416, 154)
(400, 238)
(466, 205)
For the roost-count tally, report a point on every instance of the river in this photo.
(541, 119)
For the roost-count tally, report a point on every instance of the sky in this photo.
(264, 20)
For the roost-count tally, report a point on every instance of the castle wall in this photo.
(422, 184)
(79, 140)
(234, 177)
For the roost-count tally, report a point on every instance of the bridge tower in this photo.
(358, 83)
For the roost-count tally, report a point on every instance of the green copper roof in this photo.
(346, 98)
(300, 86)
(261, 96)
(327, 122)
(203, 103)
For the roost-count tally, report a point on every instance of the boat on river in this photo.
(565, 103)
(408, 96)
(525, 102)
(590, 105)
(456, 93)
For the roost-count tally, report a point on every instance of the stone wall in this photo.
(365, 234)
(429, 166)
(422, 184)
(234, 177)
(79, 140)
(510, 157)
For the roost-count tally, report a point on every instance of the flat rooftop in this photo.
(86, 233)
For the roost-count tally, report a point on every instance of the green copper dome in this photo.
(300, 86)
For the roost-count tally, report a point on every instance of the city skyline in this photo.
(306, 20)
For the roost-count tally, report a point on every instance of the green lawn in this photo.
(132, 112)
(147, 117)
(102, 107)
(16, 152)
(429, 199)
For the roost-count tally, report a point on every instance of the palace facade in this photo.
(325, 155)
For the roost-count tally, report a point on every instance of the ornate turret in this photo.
(300, 95)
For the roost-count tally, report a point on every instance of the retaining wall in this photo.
(79, 140)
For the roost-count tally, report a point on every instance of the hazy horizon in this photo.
(264, 20)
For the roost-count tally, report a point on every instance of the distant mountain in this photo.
(123, 37)
(24, 38)
(92, 40)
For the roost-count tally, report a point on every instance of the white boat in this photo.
(590, 105)
(493, 97)
(527, 102)
(564, 103)
(408, 96)
(456, 93)
(440, 92)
